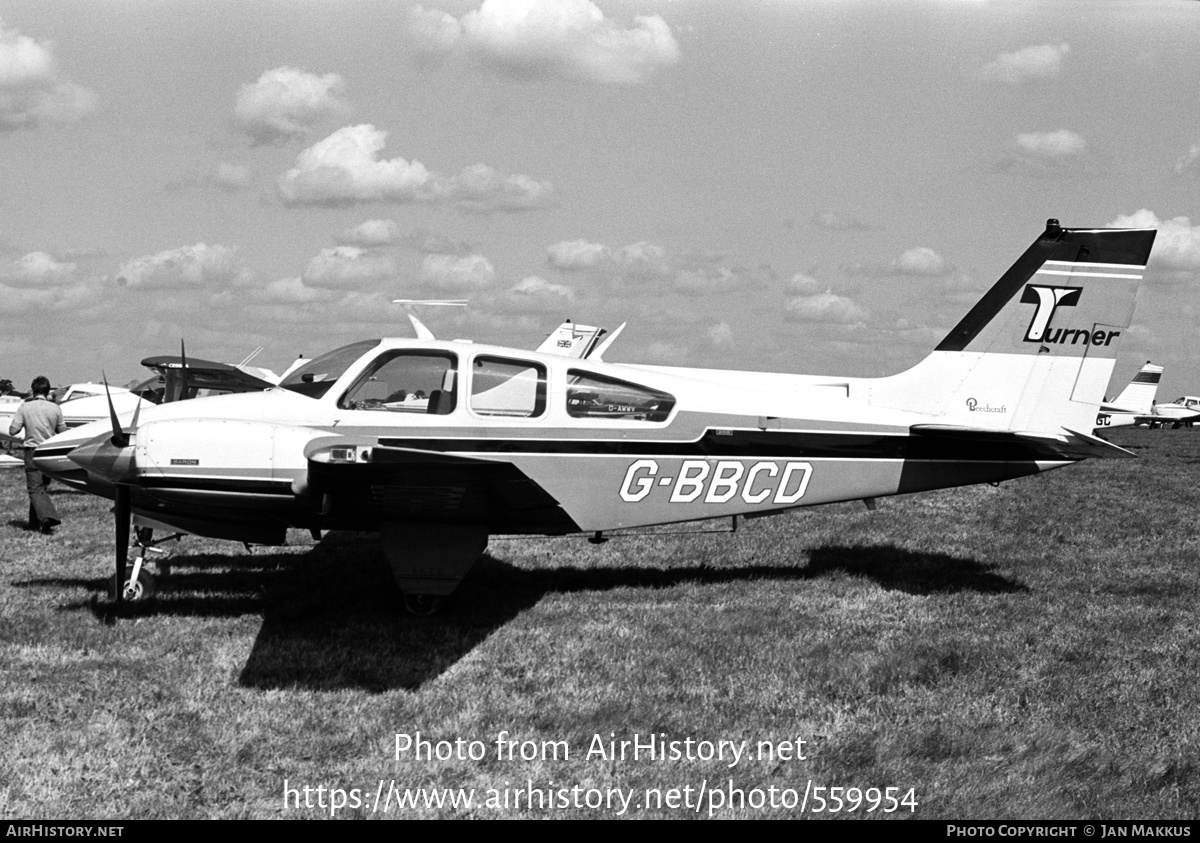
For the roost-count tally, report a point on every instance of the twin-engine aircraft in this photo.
(438, 445)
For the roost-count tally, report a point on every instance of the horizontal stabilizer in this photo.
(1069, 445)
(1094, 446)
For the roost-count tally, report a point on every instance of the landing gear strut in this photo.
(140, 586)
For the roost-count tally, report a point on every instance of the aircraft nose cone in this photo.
(100, 456)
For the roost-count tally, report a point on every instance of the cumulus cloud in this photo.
(534, 286)
(706, 278)
(482, 189)
(1177, 244)
(434, 32)
(344, 169)
(801, 284)
(371, 233)
(186, 267)
(581, 255)
(1040, 62)
(566, 38)
(576, 254)
(920, 261)
(456, 272)
(1189, 162)
(1062, 143)
(348, 267)
(37, 270)
(689, 273)
(233, 177)
(32, 91)
(286, 103)
(1048, 154)
(823, 307)
(642, 256)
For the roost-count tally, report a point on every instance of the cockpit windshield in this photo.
(314, 378)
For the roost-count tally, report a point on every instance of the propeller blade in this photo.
(137, 409)
(183, 384)
(122, 512)
(118, 438)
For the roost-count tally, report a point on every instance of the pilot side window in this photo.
(405, 382)
(504, 387)
(596, 397)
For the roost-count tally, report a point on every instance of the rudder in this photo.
(1037, 351)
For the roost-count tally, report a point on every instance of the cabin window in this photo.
(315, 377)
(405, 382)
(505, 387)
(592, 396)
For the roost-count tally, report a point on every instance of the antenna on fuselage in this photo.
(424, 333)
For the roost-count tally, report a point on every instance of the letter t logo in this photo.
(1047, 299)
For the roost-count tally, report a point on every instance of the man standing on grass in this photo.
(41, 418)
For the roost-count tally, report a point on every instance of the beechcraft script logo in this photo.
(1048, 300)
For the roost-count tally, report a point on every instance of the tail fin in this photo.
(1139, 395)
(1037, 351)
(571, 340)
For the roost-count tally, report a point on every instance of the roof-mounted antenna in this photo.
(251, 356)
(424, 333)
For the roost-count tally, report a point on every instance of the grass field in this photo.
(1027, 651)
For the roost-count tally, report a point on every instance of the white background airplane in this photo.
(1134, 403)
(1182, 412)
(508, 441)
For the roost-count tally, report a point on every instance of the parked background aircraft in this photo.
(1135, 402)
(437, 445)
(579, 341)
(175, 379)
(1182, 412)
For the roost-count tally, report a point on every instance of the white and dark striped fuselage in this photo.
(438, 445)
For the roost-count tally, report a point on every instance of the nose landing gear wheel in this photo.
(137, 590)
(423, 605)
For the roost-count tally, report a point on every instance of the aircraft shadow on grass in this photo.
(332, 618)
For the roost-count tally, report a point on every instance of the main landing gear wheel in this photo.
(423, 605)
(137, 590)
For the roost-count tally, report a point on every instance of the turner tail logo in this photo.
(1048, 300)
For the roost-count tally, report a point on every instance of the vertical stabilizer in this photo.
(1037, 351)
(572, 340)
(1139, 395)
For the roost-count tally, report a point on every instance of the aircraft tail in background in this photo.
(1136, 401)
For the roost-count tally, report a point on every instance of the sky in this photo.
(816, 186)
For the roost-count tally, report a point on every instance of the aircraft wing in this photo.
(207, 374)
(410, 484)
